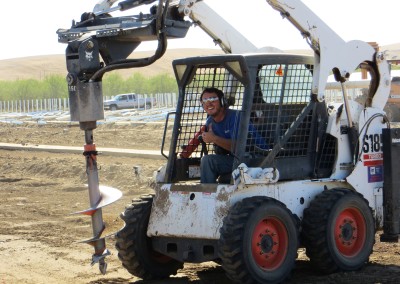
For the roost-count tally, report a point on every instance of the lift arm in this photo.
(331, 51)
(223, 33)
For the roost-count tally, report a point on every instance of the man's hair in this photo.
(216, 91)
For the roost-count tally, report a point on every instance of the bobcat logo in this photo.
(89, 55)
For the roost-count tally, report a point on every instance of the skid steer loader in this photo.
(312, 187)
(319, 183)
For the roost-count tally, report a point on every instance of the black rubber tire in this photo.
(113, 107)
(249, 256)
(344, 214)
(134, 247)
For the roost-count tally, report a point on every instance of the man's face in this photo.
(211, 104)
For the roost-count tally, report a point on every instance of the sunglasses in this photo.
(210, 99)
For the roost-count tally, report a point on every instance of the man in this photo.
(221, 129)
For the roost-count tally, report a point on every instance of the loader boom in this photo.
(331, 51)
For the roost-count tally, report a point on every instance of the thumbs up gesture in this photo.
(209, 137)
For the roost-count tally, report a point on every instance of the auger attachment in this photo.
(99, 197)
(86, 107)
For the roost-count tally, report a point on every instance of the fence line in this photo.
(332, 94)
(62, 104)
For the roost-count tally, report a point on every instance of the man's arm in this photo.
(210, 137)
(193, 143)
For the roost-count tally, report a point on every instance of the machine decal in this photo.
(375, 174)
(372, 143)
(208, 195)
(373, 157)
(374, 164)
(89, 55)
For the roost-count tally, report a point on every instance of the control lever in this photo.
(203, 145)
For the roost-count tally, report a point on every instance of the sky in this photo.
(28, 27)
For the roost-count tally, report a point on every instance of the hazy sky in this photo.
(28, 27)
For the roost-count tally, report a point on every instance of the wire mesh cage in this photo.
(281, 124)
(282, 94)
(194, 117)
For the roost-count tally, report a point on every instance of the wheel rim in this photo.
(160, 258)
(350, 230)
(156, 256)
(269, 243)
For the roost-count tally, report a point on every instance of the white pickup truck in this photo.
(129, 101)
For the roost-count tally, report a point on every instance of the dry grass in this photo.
(38, 67)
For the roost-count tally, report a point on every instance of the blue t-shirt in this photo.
(229, 126)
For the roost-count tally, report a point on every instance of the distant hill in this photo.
(38, 67)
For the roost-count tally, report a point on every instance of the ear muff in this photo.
(222, 101)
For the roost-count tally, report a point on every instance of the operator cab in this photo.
(273, 94)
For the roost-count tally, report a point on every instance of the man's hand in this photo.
(211, 137)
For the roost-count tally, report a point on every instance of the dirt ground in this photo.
(39, 237)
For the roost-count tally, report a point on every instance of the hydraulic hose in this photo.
(134, 63)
